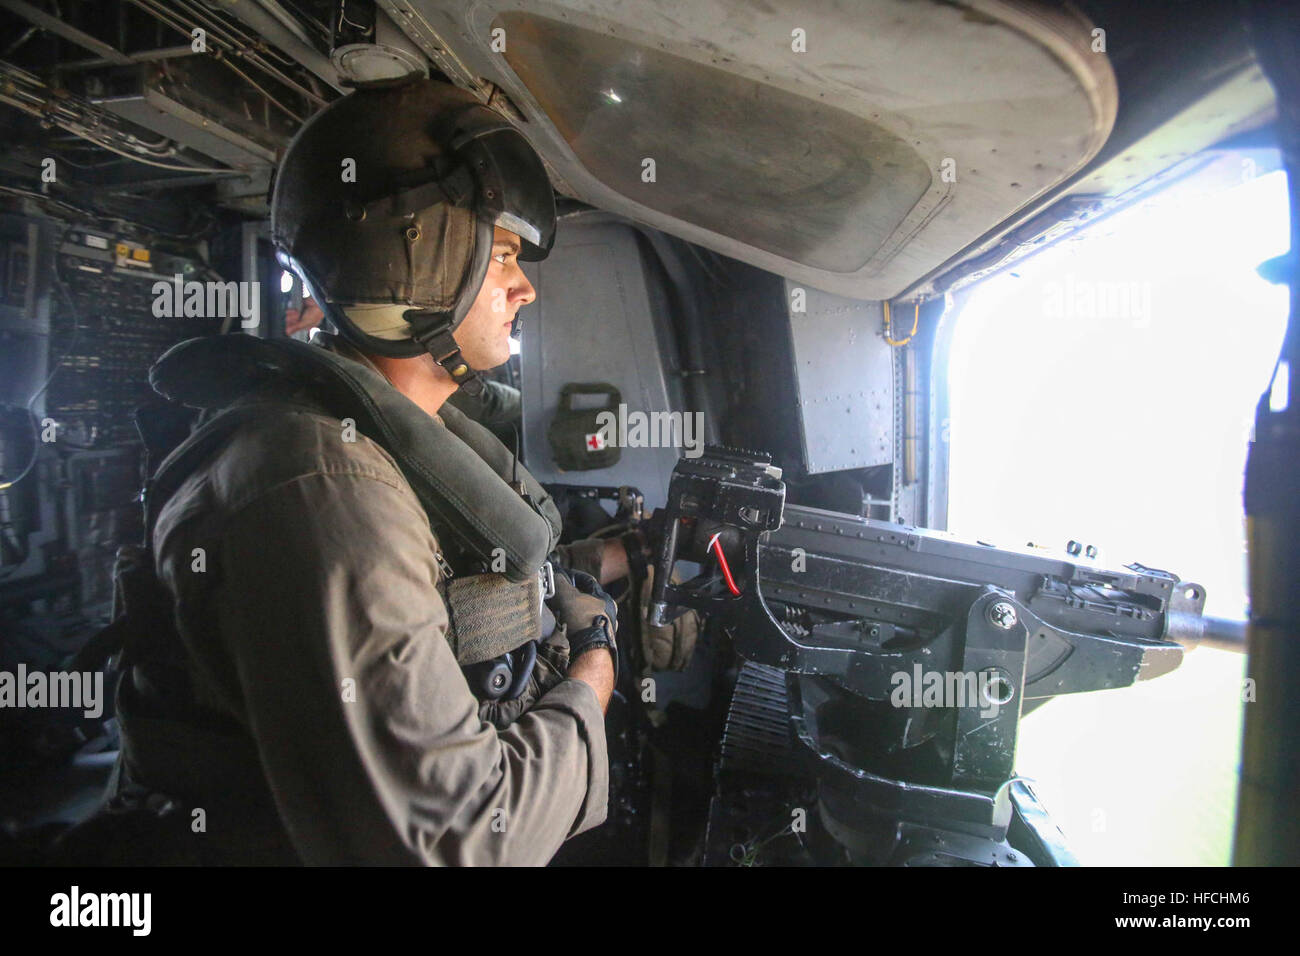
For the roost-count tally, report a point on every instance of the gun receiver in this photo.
(738, 494)
(856, 603)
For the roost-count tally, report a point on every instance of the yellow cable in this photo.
(916, 317)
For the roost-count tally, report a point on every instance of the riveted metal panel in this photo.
(595, 320)
(843, 369)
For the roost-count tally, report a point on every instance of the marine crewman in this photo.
(363, 671)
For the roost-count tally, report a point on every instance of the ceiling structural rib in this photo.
(230, 37)
(256, 17)
(53, 24)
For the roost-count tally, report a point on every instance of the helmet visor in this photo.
(514, 191)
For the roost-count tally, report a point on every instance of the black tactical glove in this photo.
(589, 615)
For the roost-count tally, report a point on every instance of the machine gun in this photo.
(891, 664)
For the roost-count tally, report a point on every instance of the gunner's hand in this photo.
(589, 615)
(579, 600)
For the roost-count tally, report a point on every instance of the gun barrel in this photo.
(1224, 634)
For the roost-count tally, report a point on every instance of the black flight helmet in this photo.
(390, 194)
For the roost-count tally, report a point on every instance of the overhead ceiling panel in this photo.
(851, 146)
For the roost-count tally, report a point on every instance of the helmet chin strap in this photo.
(439, 342)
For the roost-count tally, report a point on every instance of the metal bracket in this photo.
(993, 661)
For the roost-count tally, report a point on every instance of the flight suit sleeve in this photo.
(584, 555)
(367, 730)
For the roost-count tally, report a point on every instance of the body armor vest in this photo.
(494, 537)
(463, 478)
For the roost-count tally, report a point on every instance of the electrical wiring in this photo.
(28, 93)
(214, 170)
(32, 194)
(716, 547)
(257, 86)
(84, 121)
(75, 165)
(238, 44)
(103, 216)
(916, 318)
(58, 366)
(307, 18)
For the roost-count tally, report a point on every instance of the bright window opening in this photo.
(1104, 392)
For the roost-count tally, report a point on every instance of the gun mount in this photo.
(908, 655)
